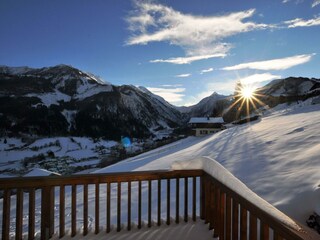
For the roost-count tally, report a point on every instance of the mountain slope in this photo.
(291, 86)
(212, 105)
(63, 100)
(276, 157)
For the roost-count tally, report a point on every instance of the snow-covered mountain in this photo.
(212, 105)
(291, 86)
(63, 100)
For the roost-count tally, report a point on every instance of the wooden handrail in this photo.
(39, 182)
(228, 214)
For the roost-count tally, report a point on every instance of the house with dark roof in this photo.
(206, 125)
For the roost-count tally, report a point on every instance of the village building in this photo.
(206, 125)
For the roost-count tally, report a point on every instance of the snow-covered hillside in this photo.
(63, 155)
(65, 101)
(278, 157)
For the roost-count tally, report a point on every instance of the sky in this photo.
(180, 50)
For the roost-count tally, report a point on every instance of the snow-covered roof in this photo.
(206, 120)
(38, 172)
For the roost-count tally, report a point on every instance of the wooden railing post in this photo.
(19, 213)
(31, 213)
(47, 214)
(202, 197)
(6, 214)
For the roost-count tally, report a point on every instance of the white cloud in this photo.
(206, 70)
(224, 87)
(172, 95)
(315, 3)
(201, 37)
(186, 60)
(299, 22)
(258, 78)
(183, 75)
(285, 1)
(171, 85)
(274, 64)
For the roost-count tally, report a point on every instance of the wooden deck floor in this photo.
(181, 231)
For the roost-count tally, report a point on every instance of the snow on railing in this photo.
(233, 210)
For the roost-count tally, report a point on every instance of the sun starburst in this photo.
(247, 92)
(245, 98)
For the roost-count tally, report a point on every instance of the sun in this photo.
(246, 99)
(247, 92)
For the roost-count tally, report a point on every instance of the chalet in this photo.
(206, 125)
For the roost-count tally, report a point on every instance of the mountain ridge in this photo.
(80, 104)
(63, 100)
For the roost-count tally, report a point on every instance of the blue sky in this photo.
(181, 50)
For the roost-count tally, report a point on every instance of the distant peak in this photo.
(144, 89)
(63, 66)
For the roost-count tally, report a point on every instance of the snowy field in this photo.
(278, 157)
(65, 152)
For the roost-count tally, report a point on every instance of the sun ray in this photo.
(246, 97)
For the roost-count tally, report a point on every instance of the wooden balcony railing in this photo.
(187, 193)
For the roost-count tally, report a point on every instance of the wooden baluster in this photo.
(47, 200)
(129, 206)
(119, 208)
(222, 214)
(139, 205)
(85, 209)
(202, 197)
(168, 201)
(159, 202)
(264, 231)
(243, 223)
(235, 219)
(108, 206)
(6, 214)
(177, 199)
(217, 227)
(228, 217)
(186, 199)
(276, 236)
(194, 198)
(211, 206)
(51, 229)
(31, 213)
(207, 201)
(73, 210)
(149, 203)
(62, 211)
(97, 208)
(19, 213)
(253, 227)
